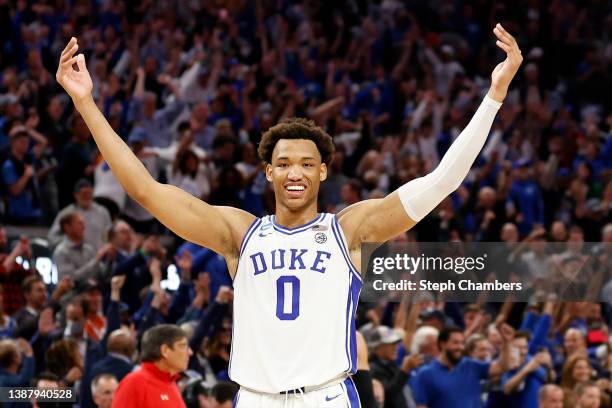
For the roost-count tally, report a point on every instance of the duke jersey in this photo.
(295, 298)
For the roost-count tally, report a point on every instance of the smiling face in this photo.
(296, 171)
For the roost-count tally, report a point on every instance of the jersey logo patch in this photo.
(329, 399)
(164, 397)
(320, 238)
(319, 227)
(265, 230)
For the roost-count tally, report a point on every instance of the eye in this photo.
(283, 165)
(308, 165)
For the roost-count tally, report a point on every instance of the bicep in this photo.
(218, 228)
(377, 220)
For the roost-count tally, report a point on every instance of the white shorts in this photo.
(341, 395)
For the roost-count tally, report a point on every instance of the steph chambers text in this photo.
(462, 285)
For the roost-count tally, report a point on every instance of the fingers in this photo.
(69, 52)
(69, 45)
(80, 60)
(508, 43)
(505, 33)
(68, 63)
(503, 46)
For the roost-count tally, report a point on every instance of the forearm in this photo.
(503, 362)
(129, 170)
(422, 195)
(18, 187)
(516, 380)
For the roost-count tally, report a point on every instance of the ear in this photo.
(163, 351)
(323, 172)
(268, 171)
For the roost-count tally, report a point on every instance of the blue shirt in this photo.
(21, 206)
(435, 386)
(526, 394)
(528, 197)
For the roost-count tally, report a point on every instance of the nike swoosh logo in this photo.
(329, 399)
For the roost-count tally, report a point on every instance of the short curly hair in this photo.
(296, 128)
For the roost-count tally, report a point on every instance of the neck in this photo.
(18, 155)
(294, 218)
(74, 239)
(13, 368)
(445, 361)
(32, 306)
(162, 365)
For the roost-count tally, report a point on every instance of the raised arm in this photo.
(218, 228)
(382, 219)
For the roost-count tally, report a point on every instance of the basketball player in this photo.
(296, 273)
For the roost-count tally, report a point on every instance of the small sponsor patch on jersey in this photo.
(320, 227)
(320, 238)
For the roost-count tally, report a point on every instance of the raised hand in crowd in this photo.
(117, 283)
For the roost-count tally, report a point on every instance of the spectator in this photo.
(96, 217)
(550, 396)
(120, 347)
(219, 349)
(453, 380)
(103, 387)
(143, 110)
(76, 161)
(522, 384)
(45, 381)
(132, 212)
(35, 294)
(384, 343)
(65, 360)
(12, 274)
(425, 342)
(189, 174)
(363, 378)
(576, 370)
(478, 347)
(73, 256)
(574, 342)
(16, 363)
(527, 198)
(165, 353)
(588, 395)
(19, 177)
(95, 322)
(107, 190)
(223, 394)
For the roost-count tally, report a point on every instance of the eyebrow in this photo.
(302, 158)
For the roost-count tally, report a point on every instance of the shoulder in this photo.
(61, 248)
(352, 217)
(133, 379)
(8, 164)
(131, 388)
(476, 365)
(99, 208)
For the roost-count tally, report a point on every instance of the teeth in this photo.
(295, 188)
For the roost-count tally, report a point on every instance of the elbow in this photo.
(141, 192)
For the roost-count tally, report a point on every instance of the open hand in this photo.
(76, 82)
(504, 71)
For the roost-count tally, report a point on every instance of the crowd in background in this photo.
(191, 86)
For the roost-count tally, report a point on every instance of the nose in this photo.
(295, 173)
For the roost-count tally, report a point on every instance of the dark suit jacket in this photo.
(108, 365)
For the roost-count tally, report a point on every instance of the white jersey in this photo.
(295, 298)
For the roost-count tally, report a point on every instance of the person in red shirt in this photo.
(165, 354)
